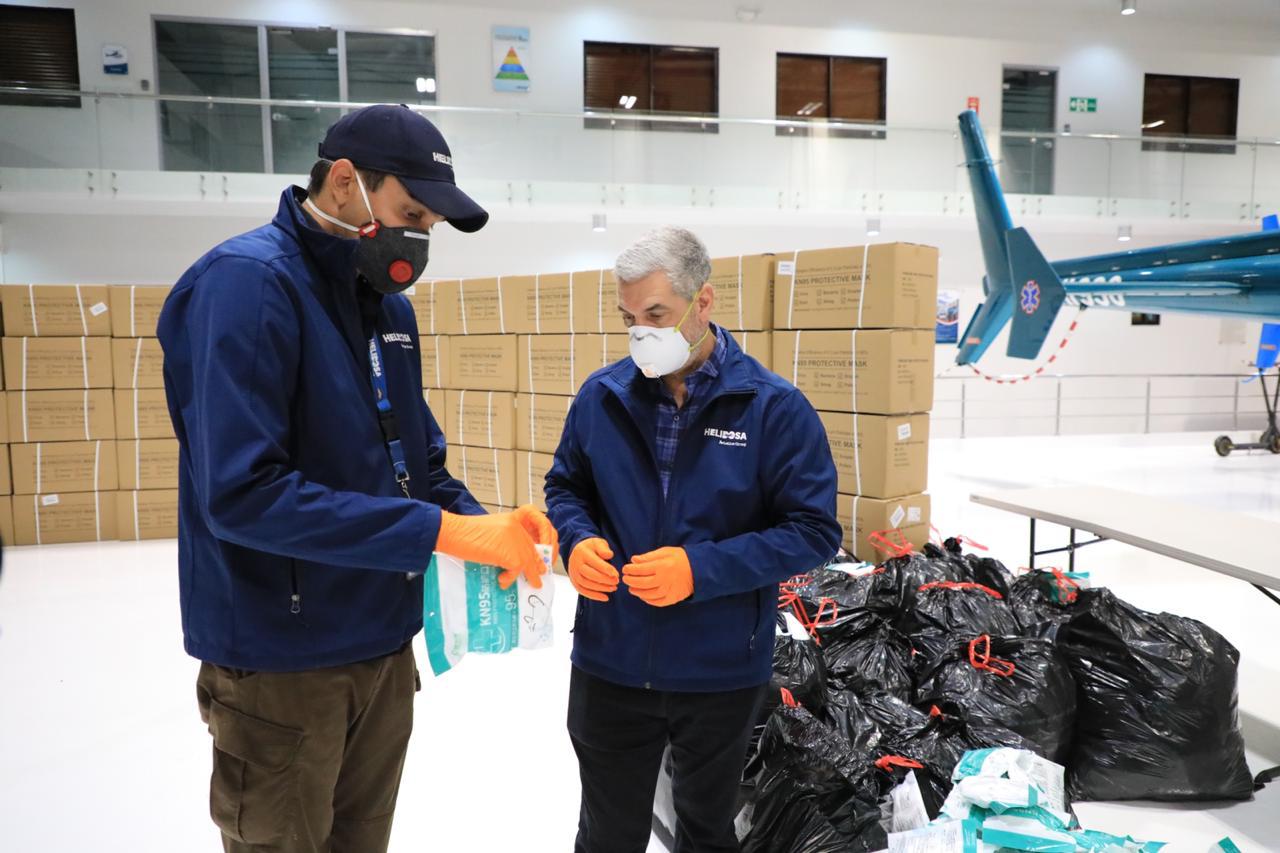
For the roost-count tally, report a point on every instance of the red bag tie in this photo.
(980, 658)
(885, 762)
(881, 541)
(1068, 589)
(788, 699)
(827, 608)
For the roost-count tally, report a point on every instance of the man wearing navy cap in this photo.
(313, 489)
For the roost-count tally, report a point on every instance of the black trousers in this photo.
(620, 734)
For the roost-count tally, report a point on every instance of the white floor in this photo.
(101, 747)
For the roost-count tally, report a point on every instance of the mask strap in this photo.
(365, 230)
(685, 316)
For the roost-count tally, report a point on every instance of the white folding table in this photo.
(1234, 544)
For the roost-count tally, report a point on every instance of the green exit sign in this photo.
(1084, 105)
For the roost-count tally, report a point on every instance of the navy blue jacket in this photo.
(294, 540)
(752, 500)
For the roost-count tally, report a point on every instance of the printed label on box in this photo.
(913, 515)
(904, 432)
(98, 308)
(786, 267)
(49, 500)
(895, 520)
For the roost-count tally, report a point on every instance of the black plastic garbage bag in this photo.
(947, 611)
(877, 658)
(853, 722)
(797, 666)
(822, 769)
(987, 571)
(1041, 601)
(936, 738)
(1157, 706)
(830, 601)
(785, 818)
(1023, 684)
(895, 584)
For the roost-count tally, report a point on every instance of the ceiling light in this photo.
(598, 222)
(431, 85)
(747, 14)
(873, 227)
(420, 84)
(1151, 125)
(1124, 233)
(1128, 7)
(631, 101)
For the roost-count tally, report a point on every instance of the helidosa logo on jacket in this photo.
(400, 338)
(727, 437)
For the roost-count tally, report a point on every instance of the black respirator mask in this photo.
(390, 259)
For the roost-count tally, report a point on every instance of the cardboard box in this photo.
(55, 310)
(596, 303)
(894, 373)
(6, 520)
(744, 291)
(861, 517)
(494, 508)
(538, 304)
(143, 413)
(488, 473)
(422, 296)
(480, 418)
(885, 286)
(135, 309)
(483, 362)
(474, 306)
(137, 362)
(150, 463)
(758, 345)
(148, 514)
(64, 517)
(6, 484)
(879, 456)
(435, 360)
(540, 421)
(559, 364)
(61, 415)
(49, 364)
(64, 466)
(531, 477)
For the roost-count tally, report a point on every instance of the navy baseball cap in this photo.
(396, 140)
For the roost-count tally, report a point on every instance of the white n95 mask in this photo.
(659, 352)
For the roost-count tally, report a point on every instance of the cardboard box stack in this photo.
(146, 449)
(60, 458)
(854, 332)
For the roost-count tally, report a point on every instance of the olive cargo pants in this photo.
(308, 761)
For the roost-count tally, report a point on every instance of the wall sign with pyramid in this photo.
(511, 59)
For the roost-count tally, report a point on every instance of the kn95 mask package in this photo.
(465, 610)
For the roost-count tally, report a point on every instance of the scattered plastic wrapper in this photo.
(465, 610)
(1012, 799)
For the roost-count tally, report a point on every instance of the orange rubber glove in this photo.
(661, 577)
(503, 539)
(590, 571)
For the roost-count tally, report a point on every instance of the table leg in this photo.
(1071, 553)
(1032, 562)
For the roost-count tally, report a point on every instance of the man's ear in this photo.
(341, 181)
(706, 299)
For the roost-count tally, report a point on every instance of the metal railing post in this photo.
(1146, 427)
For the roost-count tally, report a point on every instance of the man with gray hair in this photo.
(699, 480)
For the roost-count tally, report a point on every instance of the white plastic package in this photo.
(464, 610)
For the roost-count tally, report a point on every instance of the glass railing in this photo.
(134, 145)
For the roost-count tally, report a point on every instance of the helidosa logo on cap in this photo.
(442, 158)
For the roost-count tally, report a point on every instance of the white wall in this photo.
(930, 77)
